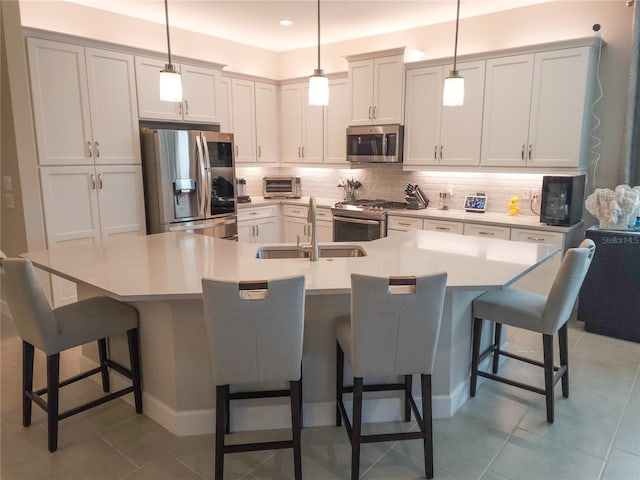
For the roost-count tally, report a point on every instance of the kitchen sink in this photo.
(326, 251)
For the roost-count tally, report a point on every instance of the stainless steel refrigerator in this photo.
(189, 178)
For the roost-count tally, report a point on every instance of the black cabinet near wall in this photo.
(610, 296)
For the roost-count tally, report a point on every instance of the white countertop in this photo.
(487, 218)
(169, 266)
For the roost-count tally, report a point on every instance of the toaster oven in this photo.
(281, 187)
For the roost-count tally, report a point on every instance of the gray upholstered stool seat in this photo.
(393, 331)
(56, 330)
(537, 313)
(255, 332)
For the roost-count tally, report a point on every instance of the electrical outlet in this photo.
(525, 194)
(536, 196)
(450, 190)
(8, 183)
(8, 200)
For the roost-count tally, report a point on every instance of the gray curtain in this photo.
(632, 133)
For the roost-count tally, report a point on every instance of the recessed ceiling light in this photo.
(285, 22)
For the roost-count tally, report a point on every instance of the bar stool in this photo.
(393, 330)
(255, 334)
(59, 329)
(537, 313)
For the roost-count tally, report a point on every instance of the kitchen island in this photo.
(160, 275)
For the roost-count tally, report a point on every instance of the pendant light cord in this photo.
(318, 34)
(166, 14)
(455, 49)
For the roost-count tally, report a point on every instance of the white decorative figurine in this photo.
(614, 209)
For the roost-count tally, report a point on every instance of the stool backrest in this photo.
(395, 328)
(29, 306)
(255, 329)
(566, 286)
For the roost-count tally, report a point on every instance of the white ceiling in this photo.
(256, 22)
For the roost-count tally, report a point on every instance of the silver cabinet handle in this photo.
(370, 117)
(535, 239)
(522, 152)
(257, 230)
(180, 108)
(236, 148)
(435, 152)
(253, 213)
(93, 181)
(490, 234)
(302, 151)
(441, 148)
(530, 150)
(100, 181)
(89, 149)
(259, 151)
(443, 228)
(405, 224)
(186, 107)
(374, 112)
(253, 230)
(97, 149)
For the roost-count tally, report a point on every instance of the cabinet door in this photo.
(266, 230)
(70, 201)
(540, 279)
(291, 122)
(244, 123)
(148, 88)
(121, 201)
(325, 231)
(225, 105)
(60, 102)
(336, 121)
(558, 107)
(114, 112)
(388, 90)
(360, 92)
(312, 131)
(245, 231)
(294, 228)
(199, 85)
(423, 110)
(507, 101)
(461, 127)
(266, 111)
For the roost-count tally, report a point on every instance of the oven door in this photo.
(347, 229)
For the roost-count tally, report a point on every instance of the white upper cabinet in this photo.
(336, 122)
(439, 135)
(225, 105)
(301, 125)
(199, 85)
(376, 90)
(266, 122)
(84, 103)
(536, 109)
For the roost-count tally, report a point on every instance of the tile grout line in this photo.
(622, 414)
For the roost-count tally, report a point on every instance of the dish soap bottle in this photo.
(636, 226)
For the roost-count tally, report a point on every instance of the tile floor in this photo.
(501, 434)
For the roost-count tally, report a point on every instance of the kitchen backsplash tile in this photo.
(388, 182)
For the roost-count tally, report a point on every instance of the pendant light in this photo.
(453, 94)
(170, 80)
(318, 82)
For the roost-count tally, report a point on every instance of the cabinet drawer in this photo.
(489, 231)
(295, 211)
(444, 226)
(255, 213)
(537, 236)
(405, 223)
(324, 214)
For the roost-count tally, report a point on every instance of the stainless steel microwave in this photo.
(281, 187)
(375, 144)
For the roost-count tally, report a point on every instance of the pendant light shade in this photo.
(453, 92)
(318, 82)
(170, 79)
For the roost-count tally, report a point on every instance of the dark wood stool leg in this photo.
(408, 384)
(547, 347)
(296, 426)
(564, 358)
(134, 360)
(475, 355)
(357, 428)
(227, 422)
(339, 382)
(53, 387)
(427, 415)
(496, 352)
(102, 353)
(301, 395)
(27, 382)
(222, 396)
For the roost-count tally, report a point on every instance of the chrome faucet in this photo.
(312, 219)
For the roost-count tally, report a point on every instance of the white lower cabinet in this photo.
(540, 279)
(296, 224)
(402, 224)
(87, 204)
(487, 231)
(258, 225)
(325, 225)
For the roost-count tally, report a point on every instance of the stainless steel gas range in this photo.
(361, 220)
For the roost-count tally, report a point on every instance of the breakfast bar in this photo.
(161, 276)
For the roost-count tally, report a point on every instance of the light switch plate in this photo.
(8, 200)
(7, 181)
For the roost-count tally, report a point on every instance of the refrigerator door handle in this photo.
(207, 167)
(202, 181)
